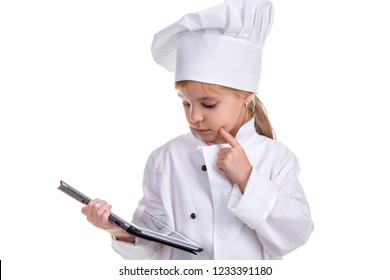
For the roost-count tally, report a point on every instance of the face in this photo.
(210, 107)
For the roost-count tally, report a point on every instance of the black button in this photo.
(193, 216)
(204, 168)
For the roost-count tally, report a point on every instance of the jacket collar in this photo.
(246, 131)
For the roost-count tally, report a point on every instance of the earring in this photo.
(246, 104)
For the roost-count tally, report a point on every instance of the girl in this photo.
(227, 185)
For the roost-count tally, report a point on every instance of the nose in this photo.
(196, 114)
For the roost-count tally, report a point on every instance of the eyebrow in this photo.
(200, 99)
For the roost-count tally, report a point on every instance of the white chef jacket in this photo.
(269, 220)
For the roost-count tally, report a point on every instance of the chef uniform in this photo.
(184, 189)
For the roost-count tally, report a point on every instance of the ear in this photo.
(248, 97)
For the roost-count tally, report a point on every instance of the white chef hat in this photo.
(220, 45)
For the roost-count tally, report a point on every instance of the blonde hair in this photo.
(255, 108)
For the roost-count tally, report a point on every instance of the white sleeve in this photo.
(275, 208)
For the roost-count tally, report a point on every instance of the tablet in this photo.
(178, 241)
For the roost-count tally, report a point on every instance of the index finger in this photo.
(229, 138)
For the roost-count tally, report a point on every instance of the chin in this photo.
(214, 140)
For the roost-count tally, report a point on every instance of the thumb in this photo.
(84, 210)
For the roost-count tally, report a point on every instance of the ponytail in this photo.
(262, 124)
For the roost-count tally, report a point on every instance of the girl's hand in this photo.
(233, 161)
(97, 212)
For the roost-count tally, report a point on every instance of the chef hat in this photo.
(220, 45)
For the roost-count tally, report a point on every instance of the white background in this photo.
(82, 100)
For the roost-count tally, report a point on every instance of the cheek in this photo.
(228, 117)
(219, 119)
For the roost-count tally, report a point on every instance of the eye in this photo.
(186, 103)
(209, 105)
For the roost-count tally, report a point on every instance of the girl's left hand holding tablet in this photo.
(234, 161)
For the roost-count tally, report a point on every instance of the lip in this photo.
(201, 131)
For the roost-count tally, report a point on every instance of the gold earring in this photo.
(246, 104)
